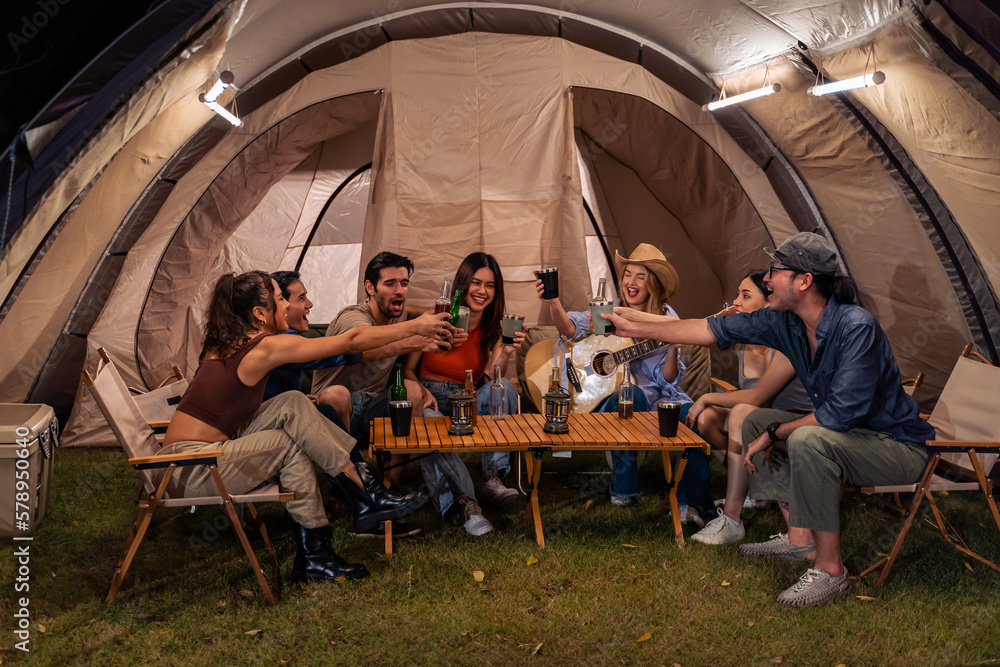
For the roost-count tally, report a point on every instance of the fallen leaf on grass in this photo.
(840, 664)
(882, 555)
(41, 628)
(469, 633)
(586, 505)
(251, 633)
(531, 561)
(750, 624)
(246, 593)
(865, 598)
(537, 649)
(478, 575)
(341, 579)
(285, 661)
(969, 566)
(778, 660)
(725, 583)
(629, 546)
(142, 616)
(643, 637)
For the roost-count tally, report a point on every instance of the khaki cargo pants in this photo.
(806, 470)
(284, 437)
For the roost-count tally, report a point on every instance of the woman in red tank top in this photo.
(222, 410)
(443, 373)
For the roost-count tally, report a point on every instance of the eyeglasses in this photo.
(773, 267)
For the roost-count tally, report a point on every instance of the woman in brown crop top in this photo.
(222, 409)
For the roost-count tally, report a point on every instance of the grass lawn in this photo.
(610, 588)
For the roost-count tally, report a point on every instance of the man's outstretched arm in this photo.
(631, 323)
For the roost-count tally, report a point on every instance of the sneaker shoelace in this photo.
(809, 578)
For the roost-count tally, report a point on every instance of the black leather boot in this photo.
(413, 499)
(315, 560)
(378, 504)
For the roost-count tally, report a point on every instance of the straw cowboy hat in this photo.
(650, 257)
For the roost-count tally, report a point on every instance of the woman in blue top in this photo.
(647, 281)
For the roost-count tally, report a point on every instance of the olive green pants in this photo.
(808, 468)
(284, 437)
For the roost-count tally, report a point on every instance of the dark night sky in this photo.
(44, 43)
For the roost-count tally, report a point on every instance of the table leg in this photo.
(673, 483)
(388, 538)
(529, 466)
(535, 515)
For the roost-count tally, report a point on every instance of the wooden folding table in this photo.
(523, 433)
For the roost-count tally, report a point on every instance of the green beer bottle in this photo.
(398, 391)
(456, 303)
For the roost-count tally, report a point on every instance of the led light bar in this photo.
(221, 110)
(225, 79)
(873, 79)
(743, 97)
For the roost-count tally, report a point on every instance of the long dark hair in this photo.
(492, 318)
(841, 289)
(230, 312)
(757, 276)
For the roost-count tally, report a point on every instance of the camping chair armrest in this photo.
(181, 459)
(961, 445)
(722, 385)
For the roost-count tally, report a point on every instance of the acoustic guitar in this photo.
(594, 367)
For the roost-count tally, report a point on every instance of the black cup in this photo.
(550, 282)
(669, 413)
(400, 414)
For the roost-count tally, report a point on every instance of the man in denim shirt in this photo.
(865, 430)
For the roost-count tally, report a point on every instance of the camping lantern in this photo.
(556, 410)
(461, 413)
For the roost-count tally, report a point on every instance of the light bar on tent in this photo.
(865, 81)
(743, 97)
(208, 99)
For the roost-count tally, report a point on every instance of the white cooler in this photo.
(25, 479)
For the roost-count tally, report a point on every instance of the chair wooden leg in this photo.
(984, 485)
(261, 528)
(139, 528)
(238, 529)
(128, 552)
(918, 496)
(388, 538)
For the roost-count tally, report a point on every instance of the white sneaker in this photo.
(720, 530)
(473, 521)
(813, 588)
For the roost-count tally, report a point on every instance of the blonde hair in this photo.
(655, 302)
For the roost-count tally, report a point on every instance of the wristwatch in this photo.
(772, 431)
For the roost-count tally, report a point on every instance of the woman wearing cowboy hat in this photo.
(647, 280)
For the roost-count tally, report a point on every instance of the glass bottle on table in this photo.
(555, 382)
(498, 396)
(398, 391)
(626, 391)
(443, 303)
(470, 389)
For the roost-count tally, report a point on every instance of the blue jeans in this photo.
(493, 462)
(694, 489)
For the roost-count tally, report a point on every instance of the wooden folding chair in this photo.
(155, 474)
(967, 425)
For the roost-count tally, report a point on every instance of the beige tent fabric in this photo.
(477, 153)
(507, 176)
(884, 246)
(130, 153)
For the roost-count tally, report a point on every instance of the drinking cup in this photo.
(601, 325)
(463, 318)
(550, 282)
(669, 413)
(511, 324)
(400, 414)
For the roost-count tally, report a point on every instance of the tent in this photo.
(545, 133)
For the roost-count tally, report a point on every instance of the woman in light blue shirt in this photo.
(647, 281)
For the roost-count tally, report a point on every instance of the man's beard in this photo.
(384, 306)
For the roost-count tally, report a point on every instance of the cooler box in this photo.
(25, 481)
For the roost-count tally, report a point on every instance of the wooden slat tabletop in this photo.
(594, 430)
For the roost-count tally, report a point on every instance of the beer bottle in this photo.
(498, 396)
(555, 382)
(602, 286)
(470, 389)
(456, 303)
(625, 394)
(398, 391)
(443, 303)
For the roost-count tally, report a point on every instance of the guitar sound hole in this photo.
(603, 364)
